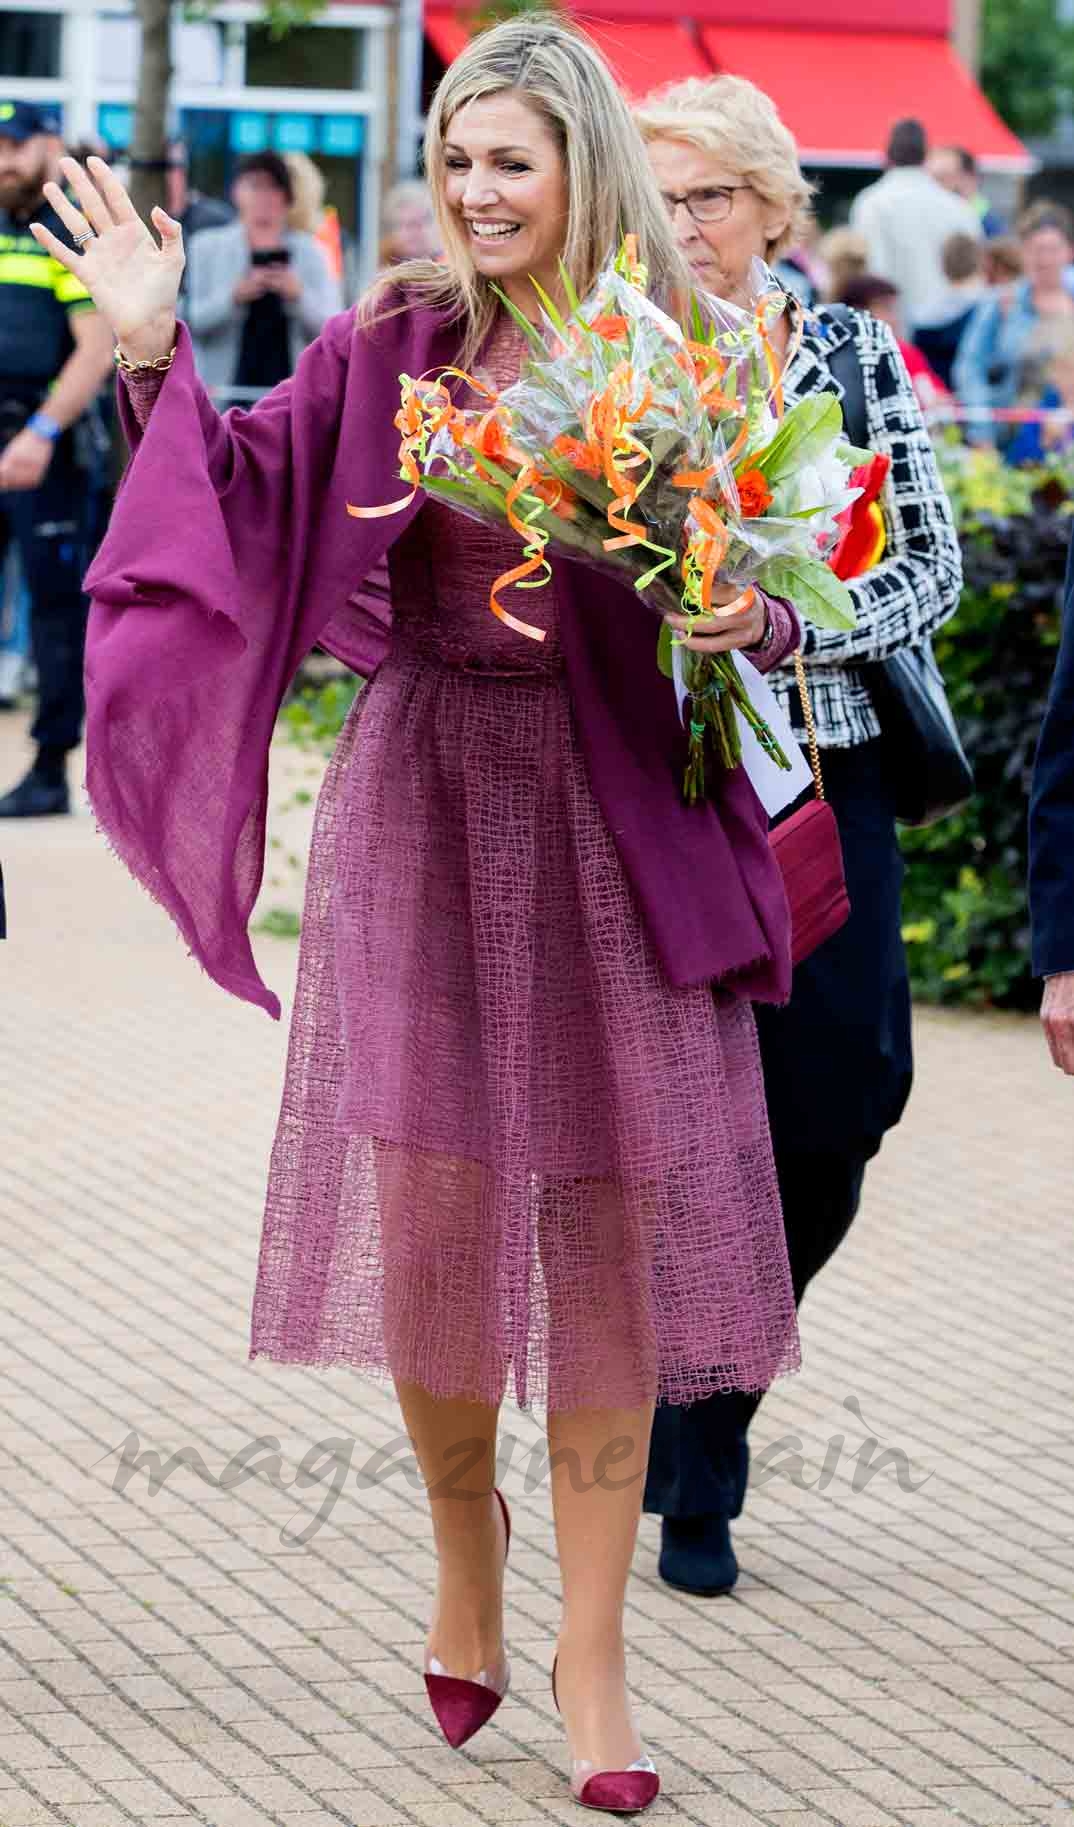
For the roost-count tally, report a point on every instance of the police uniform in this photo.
(50, 525)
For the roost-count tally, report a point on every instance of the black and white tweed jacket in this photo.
(916, 586)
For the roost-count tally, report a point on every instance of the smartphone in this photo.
(270, 256)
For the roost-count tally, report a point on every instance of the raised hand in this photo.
(133, 280)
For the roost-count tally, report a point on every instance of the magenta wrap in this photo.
(521, 1141)
(231, 554)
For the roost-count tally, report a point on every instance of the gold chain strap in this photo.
(811, 727)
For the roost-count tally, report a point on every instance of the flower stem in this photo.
(716, 692)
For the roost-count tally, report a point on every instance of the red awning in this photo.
(446, 35)
(642, 54)
(839, 92)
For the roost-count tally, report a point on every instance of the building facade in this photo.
(324, 89)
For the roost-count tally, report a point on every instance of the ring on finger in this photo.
(80, 240)
(74, 221)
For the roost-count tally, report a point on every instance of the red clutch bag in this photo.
(810, 856)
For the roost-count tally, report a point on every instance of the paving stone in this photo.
(888, 1655)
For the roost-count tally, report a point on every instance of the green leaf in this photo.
(815, 591)
(462, 494)
(533, 333)
(569, 291)
(550, 308)
(807, 431)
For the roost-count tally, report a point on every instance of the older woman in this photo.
(837, 1061)
(409, 228)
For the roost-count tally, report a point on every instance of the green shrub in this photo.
(966, 918)
(317, 710)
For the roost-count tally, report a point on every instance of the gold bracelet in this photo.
(159, 365)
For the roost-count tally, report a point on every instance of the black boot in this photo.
(42, 792)
(696, 1555)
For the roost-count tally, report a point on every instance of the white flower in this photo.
(823, 484)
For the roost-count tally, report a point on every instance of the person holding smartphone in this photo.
(259, 291)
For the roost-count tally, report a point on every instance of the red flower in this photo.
(754, 494)
(863, 534)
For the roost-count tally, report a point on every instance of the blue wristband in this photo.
(45, 426)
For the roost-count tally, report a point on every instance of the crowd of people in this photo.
(982, 313)
(519, 945)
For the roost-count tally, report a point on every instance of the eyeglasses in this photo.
(713, 205)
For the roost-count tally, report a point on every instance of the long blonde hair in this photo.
(610, 188)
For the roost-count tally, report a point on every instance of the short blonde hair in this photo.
(740, 125)
(409, 193)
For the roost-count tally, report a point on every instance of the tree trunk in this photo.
(151, 106)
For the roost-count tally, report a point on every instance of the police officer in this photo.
(55, 354)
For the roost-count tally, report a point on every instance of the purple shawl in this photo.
(230, 555)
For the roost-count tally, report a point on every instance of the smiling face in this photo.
(505, 183)
(719, 253)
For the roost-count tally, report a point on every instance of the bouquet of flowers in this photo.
(665, 454)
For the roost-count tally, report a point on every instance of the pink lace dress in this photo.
(510, 1155)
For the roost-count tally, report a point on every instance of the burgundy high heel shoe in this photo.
(615, 1791)
(461, 1706)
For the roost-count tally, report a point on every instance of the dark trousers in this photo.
(51, 526)
(838, 1068)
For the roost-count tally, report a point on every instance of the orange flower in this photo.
(754, 494)
(555, 494)
(613, 329)
(488, 438)
(580, 454)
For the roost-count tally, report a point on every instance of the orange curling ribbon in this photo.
(708, 368)
(775, 382)
(776, 370)
(534, 560)
(608, 420)
(693, 478)
(706, 551)
(425, 408)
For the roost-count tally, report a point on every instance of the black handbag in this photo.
(930, 772)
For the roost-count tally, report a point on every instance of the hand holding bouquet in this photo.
(663, 454)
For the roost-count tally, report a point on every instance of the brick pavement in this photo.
(211, 1653)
